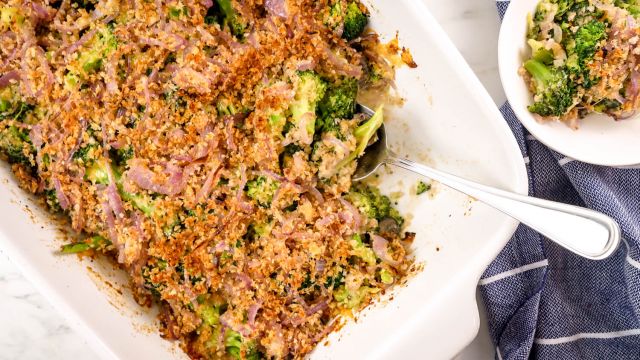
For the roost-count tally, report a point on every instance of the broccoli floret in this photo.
(540, 53)
(564, 6)
(12, 107)
(210, 315)
(258, 230)
(585, 43)
(176, 12)
(277, 122)
(154, 288)
(363, 134)
(588, 39)
(544, 9)
(230, 17)
(16, 145)
(178, 102)
(262, 189)
(87, 154)
(386, 277)
(5, 108)
(10, 16)
(97, 171)
(173, 227)
(374, 73)
(607, 106)
(233, 343)
(238, 348)
(554, 94)
(210, 311)
(140, 202)
(422, 188)
(363, 202)
(51, 199)
(16, 111)
(178, 223)
(372, 203)
(309, 91)
(122, 155)
(336, 280)
(225, 107)
(631, 6)
(95, 242)
(338, 103)
(88, 5)
(353, 18)
(99, 47)
(362, 251)
(351, 299)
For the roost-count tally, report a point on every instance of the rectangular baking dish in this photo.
(448, 120)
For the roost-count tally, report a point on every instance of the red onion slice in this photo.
(63, 200)
(305, 65)
(319, 306)
(276, 7)
(225, 320)
(245, 279)
(380, 248)
(36, 136)
(115, 202)
(111, 227)
(5, 80)
(205, 190)
(146, 179)
(252, 313)
(42, 12)
(191, 80)
(315, 193)
(343, 67)
(357, 217)
(229, 123)
(75, 46)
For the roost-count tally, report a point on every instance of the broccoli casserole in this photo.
(584, 59)
(208, 147)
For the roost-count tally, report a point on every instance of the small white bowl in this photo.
(599, 139)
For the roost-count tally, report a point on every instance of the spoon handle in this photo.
(585, 232)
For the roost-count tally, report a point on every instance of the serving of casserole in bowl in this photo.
(570, 73)
(431, 312)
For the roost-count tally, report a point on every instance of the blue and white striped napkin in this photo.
(543, 301)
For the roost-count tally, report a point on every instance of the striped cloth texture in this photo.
(544, 302)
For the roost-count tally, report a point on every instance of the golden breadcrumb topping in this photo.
(208, 147)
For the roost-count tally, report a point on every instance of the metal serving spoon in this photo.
(588, 233)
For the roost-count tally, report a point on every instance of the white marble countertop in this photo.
(32, 329)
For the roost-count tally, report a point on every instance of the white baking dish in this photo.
(448, 120)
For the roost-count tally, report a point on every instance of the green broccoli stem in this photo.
(231, 18)
(363, 135)
(555, 93)
(138, 201)
(98, 173)
(95, 242)
(540, 72)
